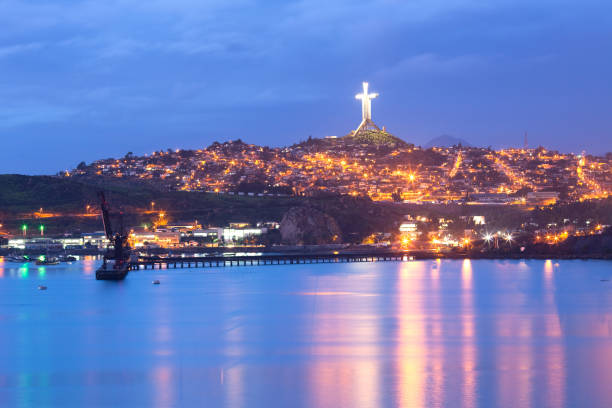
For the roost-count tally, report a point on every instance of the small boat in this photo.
(18, 259)
(47, 261)
(67, 258)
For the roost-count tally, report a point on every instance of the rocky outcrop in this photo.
(309, 226)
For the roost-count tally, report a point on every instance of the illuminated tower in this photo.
(366, 110)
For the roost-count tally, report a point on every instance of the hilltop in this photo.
(377, 138)
(369, 139)
(446, 141)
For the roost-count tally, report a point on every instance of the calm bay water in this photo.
(406, 334)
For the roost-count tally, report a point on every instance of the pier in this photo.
(265, 259)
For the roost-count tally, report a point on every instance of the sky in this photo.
(85, 80)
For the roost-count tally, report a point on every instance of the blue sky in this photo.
(82, 80)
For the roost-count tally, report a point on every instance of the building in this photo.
(409, 230)
(95, 239)
(43, 244)
(163, 239)
(479, 219)
(16, 243)
(212, 233)
(542, 198)
(71, 242)
(201, 236)
(233, 234)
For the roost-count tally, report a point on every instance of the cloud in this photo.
(33, 113)
(433, 65)
(9, 50)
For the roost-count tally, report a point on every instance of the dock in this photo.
(146, 262)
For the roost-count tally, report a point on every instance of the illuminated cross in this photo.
(366, 102)
(366, 109)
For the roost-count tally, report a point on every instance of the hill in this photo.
(377, 138)
(446, 141)
(21, 196)
(20, 193)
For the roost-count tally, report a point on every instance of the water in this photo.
(409, 334)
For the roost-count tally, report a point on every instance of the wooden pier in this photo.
(264, 259)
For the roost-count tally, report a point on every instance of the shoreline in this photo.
(322, 250)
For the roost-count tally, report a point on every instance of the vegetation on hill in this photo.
(21, 196)
(376, 137)
(357, 217)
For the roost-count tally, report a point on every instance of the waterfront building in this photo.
(233, 234)
(16, 243)
(161, 239)
(206, 233)
(95, 239)
(43, 244)
(71, 242)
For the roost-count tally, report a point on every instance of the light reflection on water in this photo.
(407, 334)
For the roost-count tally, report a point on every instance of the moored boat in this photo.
(18, 259)
(47, 261)
(67, 258)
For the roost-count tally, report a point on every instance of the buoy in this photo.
(42, 287)
(156, 282)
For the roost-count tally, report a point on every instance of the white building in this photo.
(16, 243)
(43, 244)
(95, 239)
(238, 234)
(409, 230)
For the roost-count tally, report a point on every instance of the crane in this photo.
(119, 256)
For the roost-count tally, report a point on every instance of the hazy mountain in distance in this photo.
(446, 141)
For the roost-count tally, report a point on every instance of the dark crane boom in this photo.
(118, 239)
(108, 229)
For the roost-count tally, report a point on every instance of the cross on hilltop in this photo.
(366, 110)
